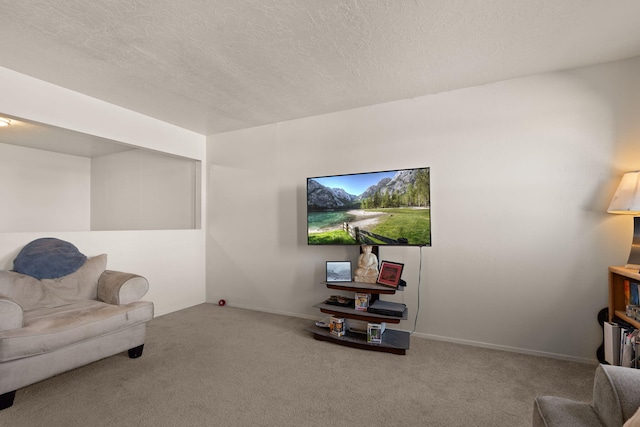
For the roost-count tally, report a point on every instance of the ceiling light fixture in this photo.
(4, 122)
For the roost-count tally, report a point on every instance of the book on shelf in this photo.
(629, 348)
(633, 294)
(612, 343)
(621, 344)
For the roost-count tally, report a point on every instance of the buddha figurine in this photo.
(367, 271)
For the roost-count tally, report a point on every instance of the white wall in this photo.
(521, 175)
(172, 260)
(144, 190)
(43, 191)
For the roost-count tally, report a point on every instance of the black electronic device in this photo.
(387, 308)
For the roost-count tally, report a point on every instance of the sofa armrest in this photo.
(116, 287)
(11, 315)
(615, 393)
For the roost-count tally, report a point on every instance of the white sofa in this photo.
(49, 326)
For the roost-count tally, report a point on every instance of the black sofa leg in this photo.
(6, 399)
(136, 352)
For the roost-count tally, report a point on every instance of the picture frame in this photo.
(390, 273)
(339, 271)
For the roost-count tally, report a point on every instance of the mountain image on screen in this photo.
(337, 272)
(375, 208)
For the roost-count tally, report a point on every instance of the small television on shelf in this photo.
(383, 208)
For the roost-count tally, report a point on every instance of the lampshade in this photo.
(627, 201)
(627, 197)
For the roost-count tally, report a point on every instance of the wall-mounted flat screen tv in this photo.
(374, 208)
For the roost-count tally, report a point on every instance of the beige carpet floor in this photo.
(223, 366)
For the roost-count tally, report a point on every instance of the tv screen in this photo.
(374, 208)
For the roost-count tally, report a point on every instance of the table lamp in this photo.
(627, 201)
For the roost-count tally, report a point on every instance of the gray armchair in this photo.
(616, 398)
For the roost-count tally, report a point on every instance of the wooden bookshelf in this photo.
(617, 278)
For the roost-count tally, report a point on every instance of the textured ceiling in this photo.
(214, 66)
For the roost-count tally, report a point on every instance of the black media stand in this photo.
(393, 341)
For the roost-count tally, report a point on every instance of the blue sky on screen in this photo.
(354, 184)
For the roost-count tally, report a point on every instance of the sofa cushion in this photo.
(48, 329)
(550, 411)
(48, 258)
(31, 293)
(11, 314)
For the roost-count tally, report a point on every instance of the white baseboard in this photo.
(507, 348)
(447, 339)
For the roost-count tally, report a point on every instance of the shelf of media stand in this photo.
(393, 341)
(351, 313)
(372, 288)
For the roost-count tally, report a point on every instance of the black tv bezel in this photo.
(367, 173)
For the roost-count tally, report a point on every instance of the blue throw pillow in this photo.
(48, 258)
